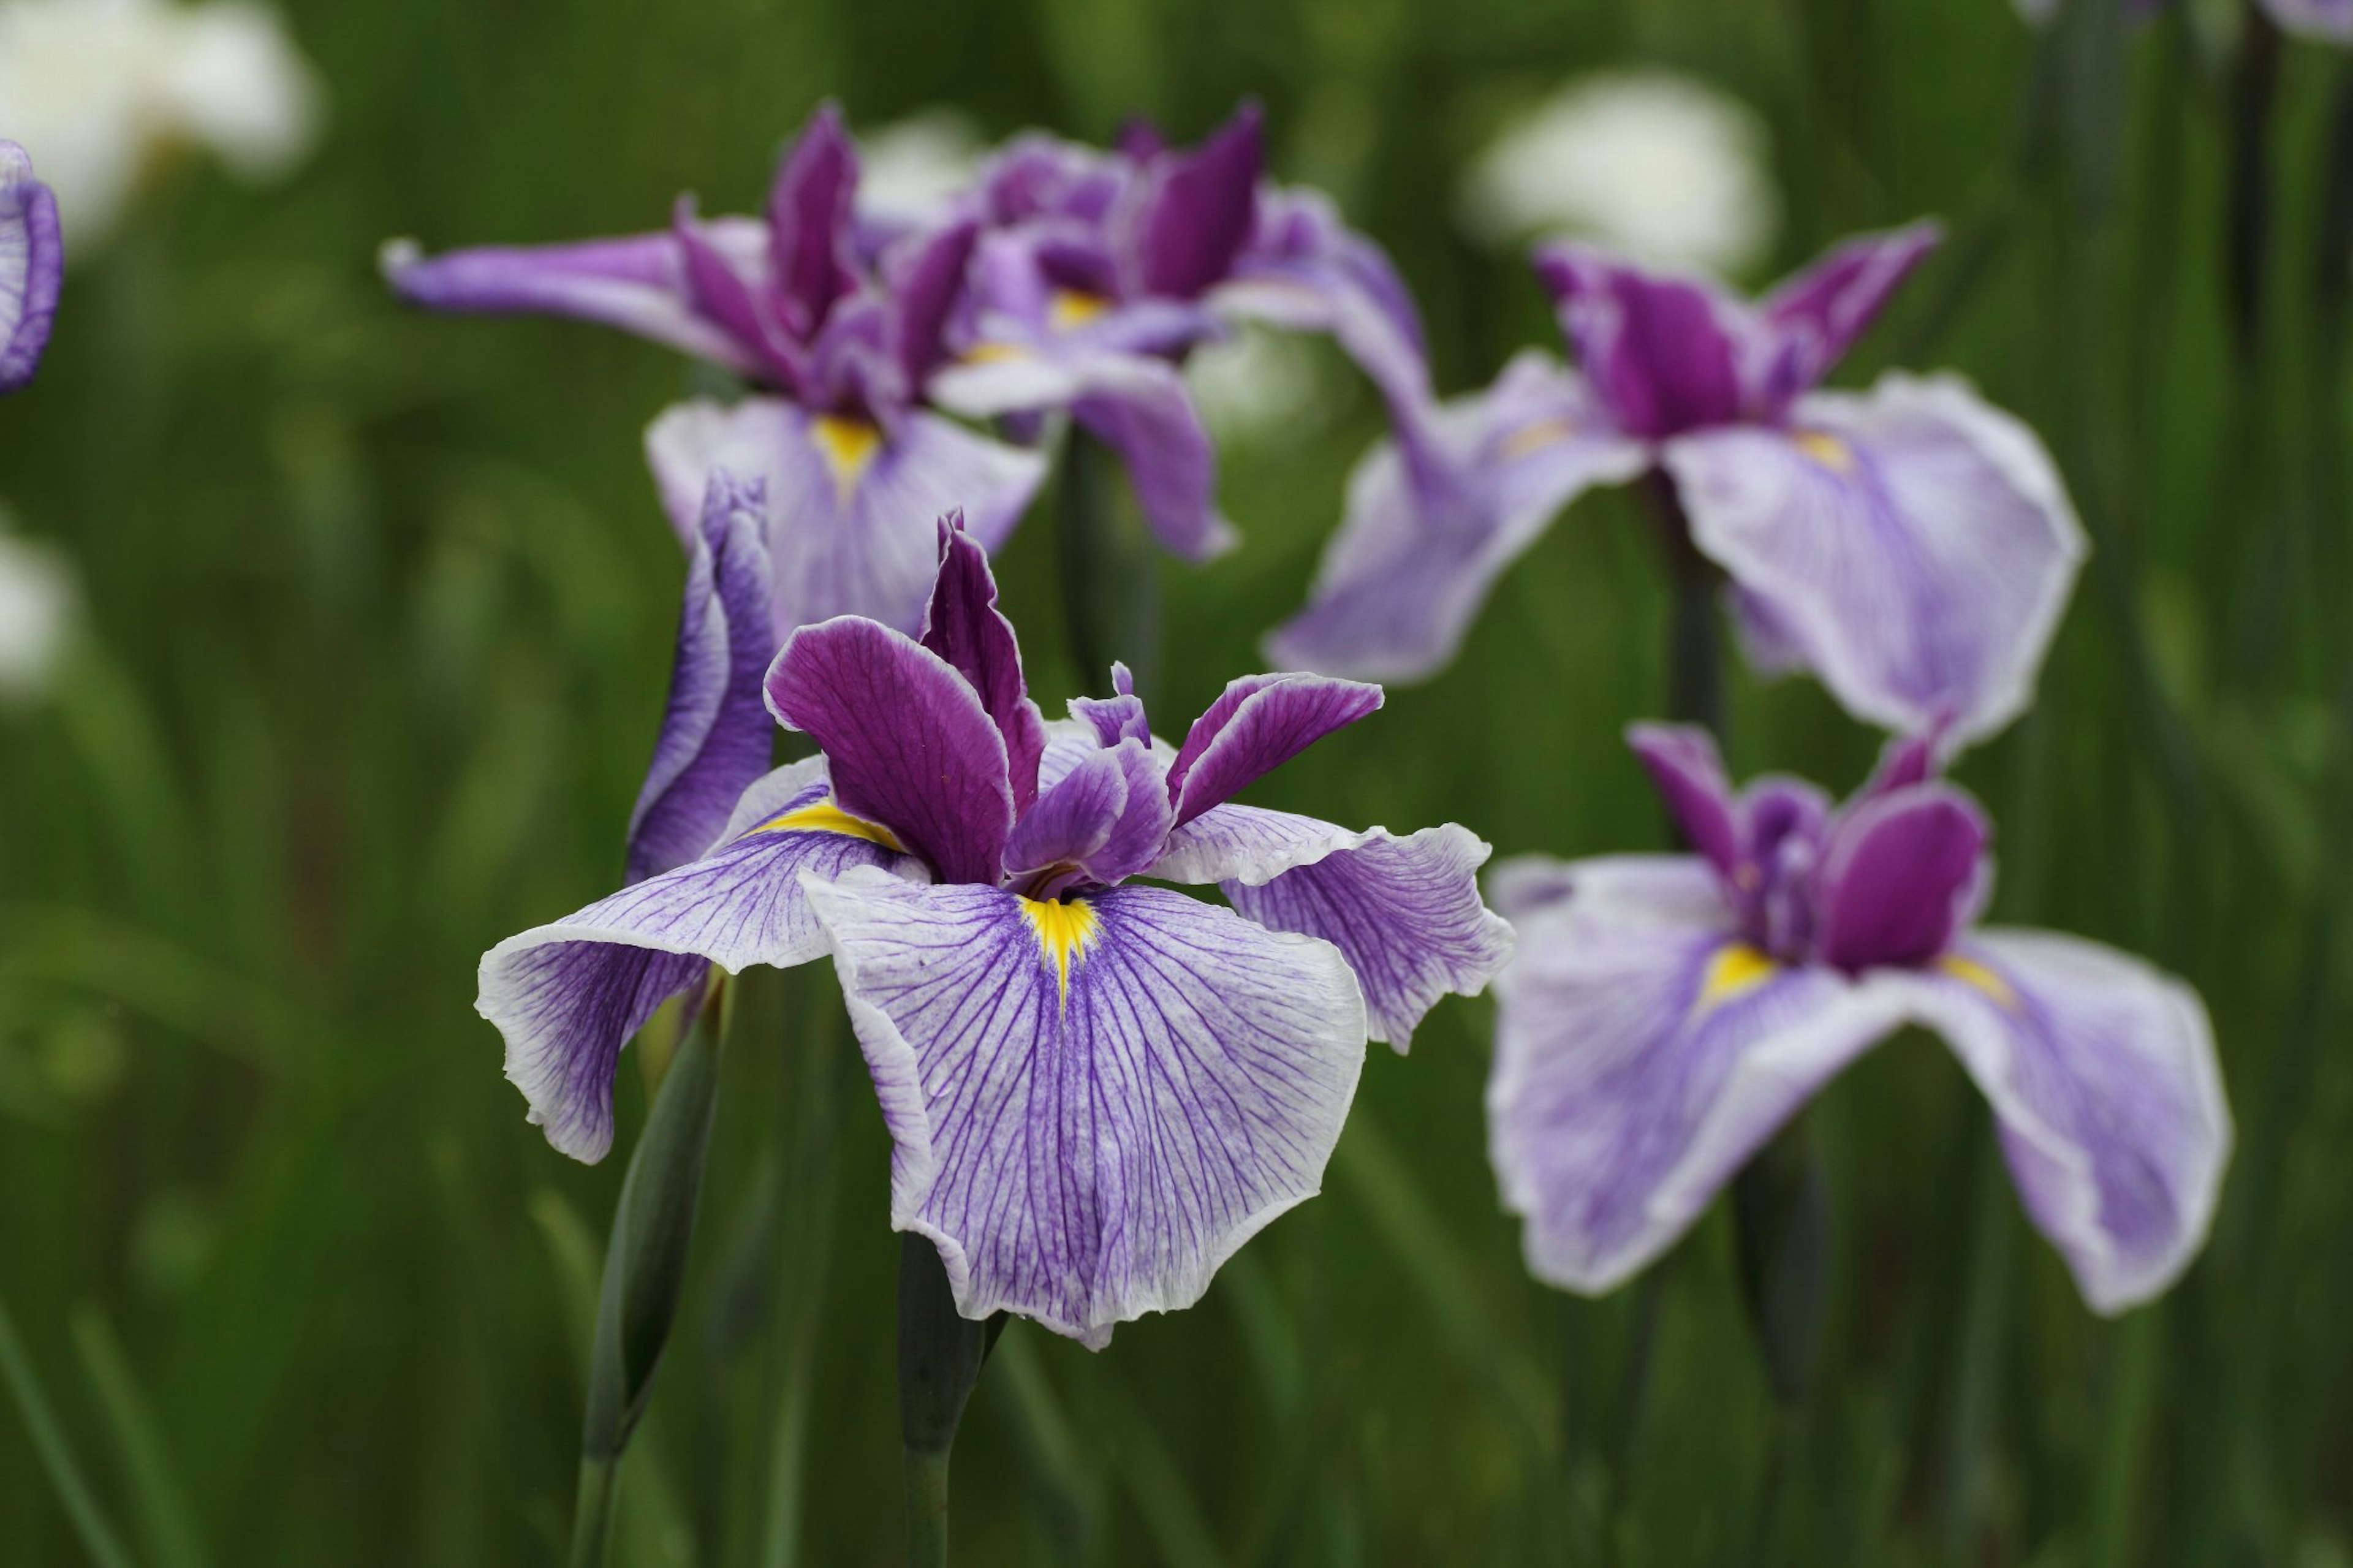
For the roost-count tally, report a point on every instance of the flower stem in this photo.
(2255, 86)
(591, 1514)
(940, 1357)
(1694, 634)
(1111, 580)
(927, 1509)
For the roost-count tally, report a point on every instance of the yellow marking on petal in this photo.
(827, 817)
(1827, 450)
(847, 446)
(1978, 977)
(1736, 967)
(1072, 308)
(1535, 438)
(994, 354)
(1063, 930)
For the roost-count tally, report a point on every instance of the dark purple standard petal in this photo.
(32, 267)
(1895, 876)
(908, 743)
(964, 627)
(1259, 723)
(1815, 316)
(923, 275)
(1199, 209)
(1683, 763)
(1115, 719)
(809, 221)
(1071, 821)
(716, 734)
(1665, 354)
(718, 291)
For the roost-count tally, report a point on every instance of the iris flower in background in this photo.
(2327, 19)
(1096, 1090)
(1665, 1014)
(95, 88)
(37, 611)
(1911, 545)
(913, 172)
(1659, 167)
(1098, 272)
(840, 323)
(32, 267)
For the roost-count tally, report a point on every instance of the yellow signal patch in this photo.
(1063, 930)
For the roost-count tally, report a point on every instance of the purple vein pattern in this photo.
(32, 267)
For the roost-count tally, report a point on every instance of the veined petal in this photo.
(1093, 1104)
(1431, 523)
(635, 283)
(809, 208)
(1899, 873)
(964, 627)
(1306, 271)
(1815, 316)
(1117, 718)
(1664, 354)
(924, 274)
(1257, 725)
(1197, 209)
(1073, 819)
(1138, 407)
(716, 736)
(1915, 542)
(2104, 1081)
(32, 267)
(906, 739)
(1683, 762)
(568, 995)
(1642, 1054)
(853, 512)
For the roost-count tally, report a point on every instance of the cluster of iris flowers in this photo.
(1099, 1087)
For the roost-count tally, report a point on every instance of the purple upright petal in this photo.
(1305, 270)
(1434, 517)
(1665, 354)
(1914, 542)
(908, 743)
(717, 289)
(1197, 209)
(964, 627)
(1642, 1055)
(925, 274)
(1897, 874)
(1138, 838)
(1118, 718)
(1139, 408)
(2328, 20)
(32, 267)
(2104, 1083)
(1092, 1104)
(1072, 820)
(1815, 317)
(853, 512)
(636, 284)
(1683, 764)
(809, 228)
(717, 735)
(1257, 725)
(568, 995)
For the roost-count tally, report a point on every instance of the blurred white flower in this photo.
(92, 88)
(1659, 167)
(1254, 384)
(36, 607)
(907, 171)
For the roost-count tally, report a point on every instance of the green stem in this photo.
(1110, 569)
(940, 1357)
(927, 1509)
(98, 1537)
(591, 1514)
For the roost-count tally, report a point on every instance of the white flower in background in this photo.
(36, 607)
(93, 89)
(1659, 167)
(908, 172)
(1254, 384)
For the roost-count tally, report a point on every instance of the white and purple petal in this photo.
(854, 509)
(1643, 1054)
(2104, 1083)
(32, 267)
(568, 995)
(1257, 725)
(1091, 1105)
(716, 736)
(1814, 317)
(1914, 542)
(2331, 20)
(1139, 407)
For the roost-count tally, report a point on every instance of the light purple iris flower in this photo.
(842, 326)
(1097, 1090)
(1665, 1014)
(1097, 271)
(32, 267)
(1911, 545)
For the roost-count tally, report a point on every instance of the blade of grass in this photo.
(99, 1536)
(167, 1527)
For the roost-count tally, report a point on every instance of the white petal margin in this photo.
(853, 516)
(1083, 1158)
(1637, 1066)
(1914, 544)
(568, 995)
(2104, 1081)
(1404, 911)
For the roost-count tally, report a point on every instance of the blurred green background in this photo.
(376, 614)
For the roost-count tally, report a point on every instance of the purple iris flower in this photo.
(1096, 1090)
(842, 326)
(1911, 545)
(1097, 271)
(1665, 1014)
(32, 267)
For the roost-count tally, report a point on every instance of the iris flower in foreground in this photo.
(32, 267)
(1911, 545)
(1097, 272)
(842, 326)
(1665, 1014)
(1096, 1090)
